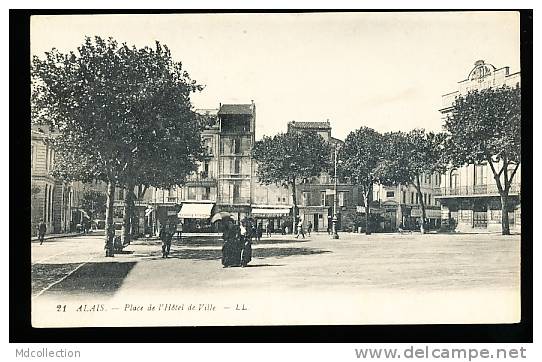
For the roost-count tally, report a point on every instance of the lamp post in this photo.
(335, 234)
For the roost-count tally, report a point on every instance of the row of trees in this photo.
(121, 115)
(483, 127)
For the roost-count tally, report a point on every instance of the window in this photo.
(429, 199)
(479, 175)
(236, 191)
(278, 199)
(425, 199)
(236, 146)
(390, 194)
(342, 198)
(417, 198)
(427, 179)
(412, 197)
(306, 198)
(206, 193)
(237, 166)
(322, 198)
(404, 197)
(205, 169)
(454, 179)
(121, 195)
(191, 193)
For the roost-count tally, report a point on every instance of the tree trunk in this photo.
(128, 211)
(368, 199)
(294, 201)
(422, 204)
(505, 223)
(109, 227)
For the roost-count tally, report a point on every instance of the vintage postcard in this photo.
(234, 169)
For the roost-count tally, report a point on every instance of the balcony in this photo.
(477, 190)
(225, 200)
(201, 178)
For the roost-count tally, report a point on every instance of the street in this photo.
(356, 279)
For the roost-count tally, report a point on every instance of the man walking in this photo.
(309, 228)
(42, 229)
(166, 235)
(300, 230)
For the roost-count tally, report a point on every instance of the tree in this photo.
(121, 115)
(93, 202)
(409, 155)
(287, 158)
(485, 126)
(361, 156)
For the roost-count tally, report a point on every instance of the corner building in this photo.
(468, 195)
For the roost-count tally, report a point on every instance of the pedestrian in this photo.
(268, 229)
(309, 228)
(179, 231)
(300, 230)
(166, 234)
(259, 231)
(42, 229)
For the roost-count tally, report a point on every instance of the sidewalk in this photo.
(34, 239)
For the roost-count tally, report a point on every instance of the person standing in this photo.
(165, 236)
(309, 228)
(259, 231)
(300, 230)
(179, 231)
(268, 229)
(42, 229)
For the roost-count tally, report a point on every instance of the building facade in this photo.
(54, 201)
(400, 206)
(468, 195)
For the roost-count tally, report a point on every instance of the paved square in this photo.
(380, 278)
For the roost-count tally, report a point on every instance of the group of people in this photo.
(237, 248)
(301, 229)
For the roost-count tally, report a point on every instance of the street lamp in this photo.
(335, 234)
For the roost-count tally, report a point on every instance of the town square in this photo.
(243, 169)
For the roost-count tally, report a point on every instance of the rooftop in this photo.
(310, 125)
(235, 109)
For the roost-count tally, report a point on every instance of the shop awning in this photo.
(195, 211)
(270, 212)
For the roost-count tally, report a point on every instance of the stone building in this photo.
(317, 199)
(54, 201)
(468, 195)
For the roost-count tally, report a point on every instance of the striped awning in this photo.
(196, 211)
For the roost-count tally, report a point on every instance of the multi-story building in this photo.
(400, 206)
(468, 195)
(316, 196)
(53, 201)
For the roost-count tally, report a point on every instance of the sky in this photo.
(387, 70)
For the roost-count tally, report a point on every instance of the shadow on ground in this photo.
(96, 278)
(216, 241)
(257, 253)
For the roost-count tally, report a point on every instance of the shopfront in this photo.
(276, 218)
(196, 217)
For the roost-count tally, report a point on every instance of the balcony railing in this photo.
(474, 190)
(234, 200)
(201, 177)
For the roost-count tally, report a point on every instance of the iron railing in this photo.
(474, 190)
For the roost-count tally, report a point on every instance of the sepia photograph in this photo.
(275, 169)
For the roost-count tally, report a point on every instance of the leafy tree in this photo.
(93, 202)
(122, 115)
(485, 126)
(288, 158)
(409, 155)
(361, 156)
